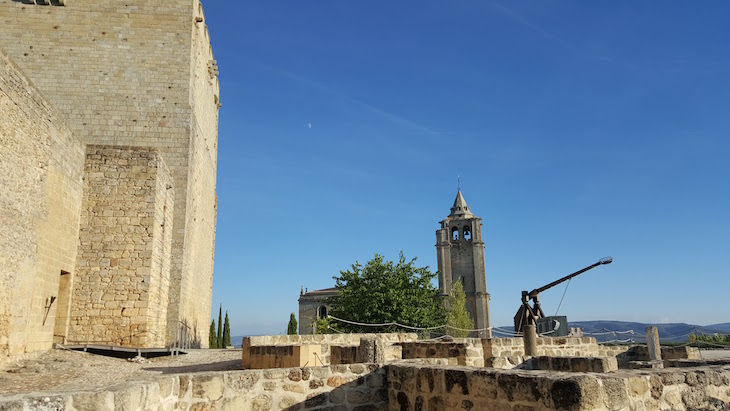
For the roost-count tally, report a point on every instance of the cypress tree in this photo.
(211, 336)
(220, 327)
(291, 329)
(226, 333)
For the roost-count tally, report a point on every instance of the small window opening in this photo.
(322, 312)
(467, 233)
(454, 233)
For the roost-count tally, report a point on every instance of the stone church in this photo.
(108, 155)
(460, 254)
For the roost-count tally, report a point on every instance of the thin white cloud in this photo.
(387, 115)
(547, 34)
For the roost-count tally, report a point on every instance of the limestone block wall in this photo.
(282, 356)
(341, 387)
(510, 352)
(123, 270)
(467, 351)
(193, 280)
(41, 165)
(136, 73)
(429, 387)
(571, 364)
(326, 341)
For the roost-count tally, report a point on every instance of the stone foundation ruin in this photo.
(412, 374)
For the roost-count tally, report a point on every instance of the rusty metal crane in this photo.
(529, 315)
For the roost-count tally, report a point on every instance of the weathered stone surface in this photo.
(566, 394)
(100, 401)
(288, 403)
(456, 380)
(617, 393)
(242, 381)
(483, 384)
(358, 397)
(13, 405)
(638, 385)
(208, 386)
(293, 388)
(129, 397)
(315, 400)
(337, 381)
(261, 403)
(511, 386)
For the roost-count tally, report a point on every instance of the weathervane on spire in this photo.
(458, 182)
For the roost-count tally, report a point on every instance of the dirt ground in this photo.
(61, 370)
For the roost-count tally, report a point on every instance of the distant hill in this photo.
(670, 332)
(237, 340)
(724, 327)
(602, 330)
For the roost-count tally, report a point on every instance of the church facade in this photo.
(460, 254)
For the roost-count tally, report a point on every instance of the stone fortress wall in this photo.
(123, 78)
(120, 293)
(41, 166)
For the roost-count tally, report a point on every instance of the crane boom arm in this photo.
(535, 292)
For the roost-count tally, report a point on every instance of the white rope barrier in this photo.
(395, 324)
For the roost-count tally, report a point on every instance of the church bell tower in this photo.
(460, 253)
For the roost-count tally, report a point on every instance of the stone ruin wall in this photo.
(139, 74)
(399, 387)
(326, 341)
(339, 387)
(427, 387)
(122, 278)
(510, 352)
(41, 165)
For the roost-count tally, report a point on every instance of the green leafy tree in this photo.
(383, 292)
(457, 317)
(226, 333)
(324, 326)
(211, 336)
(219, 337)
(291, 329)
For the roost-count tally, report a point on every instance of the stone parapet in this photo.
(572, 364)
(402, 386)
(340, 387)
(283, 356)
(326, 341)
(465, 351)
(421, 387)
(510, 352)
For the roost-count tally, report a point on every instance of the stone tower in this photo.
(460, 253)
(108, 157)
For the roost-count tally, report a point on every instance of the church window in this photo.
(455, 233)
(467, 233)
(322, 312)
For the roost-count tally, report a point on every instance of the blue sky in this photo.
(579, 130)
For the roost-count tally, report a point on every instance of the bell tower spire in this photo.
(460, 254)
